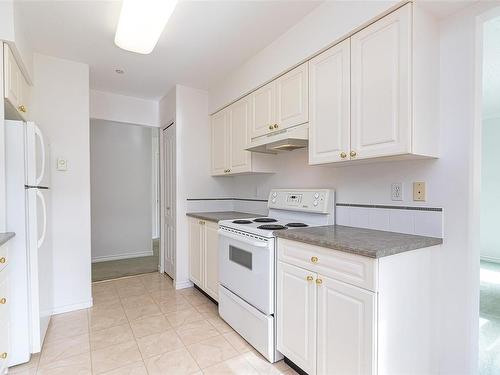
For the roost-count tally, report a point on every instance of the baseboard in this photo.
(107, 258)
(183, 284)
(72, 307)
(490, 259)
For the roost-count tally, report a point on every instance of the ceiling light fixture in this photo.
(141, 24)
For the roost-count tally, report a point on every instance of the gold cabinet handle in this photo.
(3, 301)
(343, 155)
(3, 260)
(3, 355)
(319, 281)
(353, 154)
(22, 108)
(314, 259)
(270, 127)
(275, 126)
(309, 278)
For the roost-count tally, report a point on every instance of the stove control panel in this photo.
(309, 200)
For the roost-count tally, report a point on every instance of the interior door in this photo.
(329, 102)
(240, 159)
(168, 201)
(381, 87)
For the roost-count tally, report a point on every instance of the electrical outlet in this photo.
(397, 191)
(419, 191)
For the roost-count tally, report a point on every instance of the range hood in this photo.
(281, 140)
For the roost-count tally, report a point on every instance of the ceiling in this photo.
(491, 69)
(202, 42)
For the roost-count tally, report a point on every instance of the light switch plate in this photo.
(419, 191)
(62, 164)
(397, 191)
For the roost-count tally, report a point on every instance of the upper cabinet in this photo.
(374, 94)
(16, 89)
(230, 135)
(281, 104)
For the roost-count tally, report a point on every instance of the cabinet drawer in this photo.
(3, 257)
(352, 269)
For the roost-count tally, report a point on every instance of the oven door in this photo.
(246, 268)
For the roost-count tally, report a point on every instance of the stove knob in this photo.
(316, 196)
(275, 194)
(273, 200)
(315, 203)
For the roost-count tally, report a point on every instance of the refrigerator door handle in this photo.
(42, 144)
(44, 210)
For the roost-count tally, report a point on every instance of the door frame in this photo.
(162, 192)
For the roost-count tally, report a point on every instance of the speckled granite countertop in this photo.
(4, 237)
(223, 215)
(366, 242)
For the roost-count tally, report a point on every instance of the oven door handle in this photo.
(243, 239)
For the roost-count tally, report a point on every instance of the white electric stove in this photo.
(247, 262)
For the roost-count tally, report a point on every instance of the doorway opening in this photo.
(124, 169)
(489, 192)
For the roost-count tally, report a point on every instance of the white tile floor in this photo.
(141, 325)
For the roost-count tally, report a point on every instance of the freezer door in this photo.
(37, 157)
(40, 265)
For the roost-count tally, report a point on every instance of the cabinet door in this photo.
(329, 103)
(346, 329)
(263, 110)
(240, 159)
(220, 143)
(381, 87)
(11, 76)
(196, 250)
(292, 97)
(296, 316)
(211, 260)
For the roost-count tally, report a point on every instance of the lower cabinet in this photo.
(203, 255)
(4, 310)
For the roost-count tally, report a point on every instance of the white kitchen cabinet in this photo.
(220, 142)
(196, 246)
(16, 89)
(211, 260)
(346, 325)
(230, 136)
(203, 255)
(4, 309)
(374, 94)
(292, 107)
(264, 110)
(329, 101)
(381, 87)
(297, 320)
(341, 313)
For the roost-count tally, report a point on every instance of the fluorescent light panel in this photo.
(141, 24)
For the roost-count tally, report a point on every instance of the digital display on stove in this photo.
(294, 199)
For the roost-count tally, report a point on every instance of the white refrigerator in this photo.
(28, 214)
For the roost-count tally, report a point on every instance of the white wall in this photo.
(61, 109)
(490, 190)
(121, 108)
(320, 28)
(121, 190)
(449, 179)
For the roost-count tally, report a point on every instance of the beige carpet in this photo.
(127, 267)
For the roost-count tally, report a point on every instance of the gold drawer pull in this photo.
(270, 127)
(3, 260)
(319, 281)
(3, 355)
(343, 155)
(3, 301)
(22, 108)
(314, 259)
(275, 126)
(309, 278)
(353, 154)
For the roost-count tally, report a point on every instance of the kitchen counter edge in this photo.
(5, 237)
(359, 241)
(216, 216)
